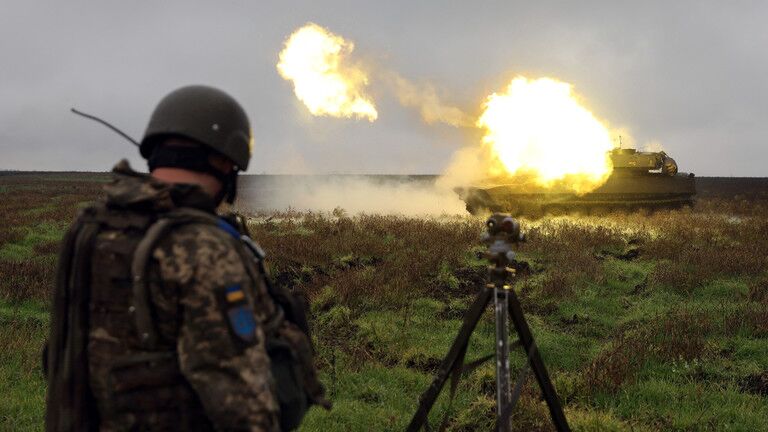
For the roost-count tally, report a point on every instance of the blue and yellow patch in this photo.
(239, 314)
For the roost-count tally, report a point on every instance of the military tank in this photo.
(639, 180)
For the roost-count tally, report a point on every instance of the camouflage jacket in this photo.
(209, 369)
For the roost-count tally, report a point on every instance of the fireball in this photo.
(317, 62)
(538, 129)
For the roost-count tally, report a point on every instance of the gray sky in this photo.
(692, 75)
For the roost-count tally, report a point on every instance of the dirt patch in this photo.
(755, 384)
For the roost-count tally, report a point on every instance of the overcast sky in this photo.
(692, 75)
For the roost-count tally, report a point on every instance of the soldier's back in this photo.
(183, 345)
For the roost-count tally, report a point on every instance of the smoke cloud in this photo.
(653, 146)
(426, 100)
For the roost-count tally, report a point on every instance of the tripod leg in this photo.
(503, 400)
(529, 345)
(449, 362)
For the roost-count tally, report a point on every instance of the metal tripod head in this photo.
(506, 227)
(502, 232)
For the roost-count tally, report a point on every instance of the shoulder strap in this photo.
(141, 308)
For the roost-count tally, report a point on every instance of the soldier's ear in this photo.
(221, 163)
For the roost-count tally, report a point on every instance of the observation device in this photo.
(502, 233)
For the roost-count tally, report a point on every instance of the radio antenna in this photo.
(105, 123)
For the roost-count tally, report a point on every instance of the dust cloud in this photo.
(400, 195)
(468, 165)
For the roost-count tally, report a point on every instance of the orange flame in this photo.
(538, 128)
(316, 61)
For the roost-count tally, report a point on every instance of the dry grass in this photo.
(24, 280)
(369, 256)
(679, 335)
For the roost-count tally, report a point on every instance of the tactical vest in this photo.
(103, 285)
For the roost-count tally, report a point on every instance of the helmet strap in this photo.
(228, 189)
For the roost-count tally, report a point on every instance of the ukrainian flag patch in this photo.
(239, 314)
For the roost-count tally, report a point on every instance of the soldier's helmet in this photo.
(205, 115)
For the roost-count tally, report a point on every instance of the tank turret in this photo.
(633, 161)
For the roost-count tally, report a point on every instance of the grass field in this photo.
(646, 321)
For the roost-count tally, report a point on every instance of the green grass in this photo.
(36, 212)
(22, 388)
(371, 398)
(36, 235)
(684, 406)
(563, 350)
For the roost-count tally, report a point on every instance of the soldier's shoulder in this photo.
(93, 211)
(203, 253)
(199, 235)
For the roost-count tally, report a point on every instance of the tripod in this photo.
(502, 232)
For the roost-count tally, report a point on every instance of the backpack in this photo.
(70, 404)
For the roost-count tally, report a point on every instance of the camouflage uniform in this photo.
(161, 318)
(201, 375)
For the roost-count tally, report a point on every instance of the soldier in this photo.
(162, 317)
